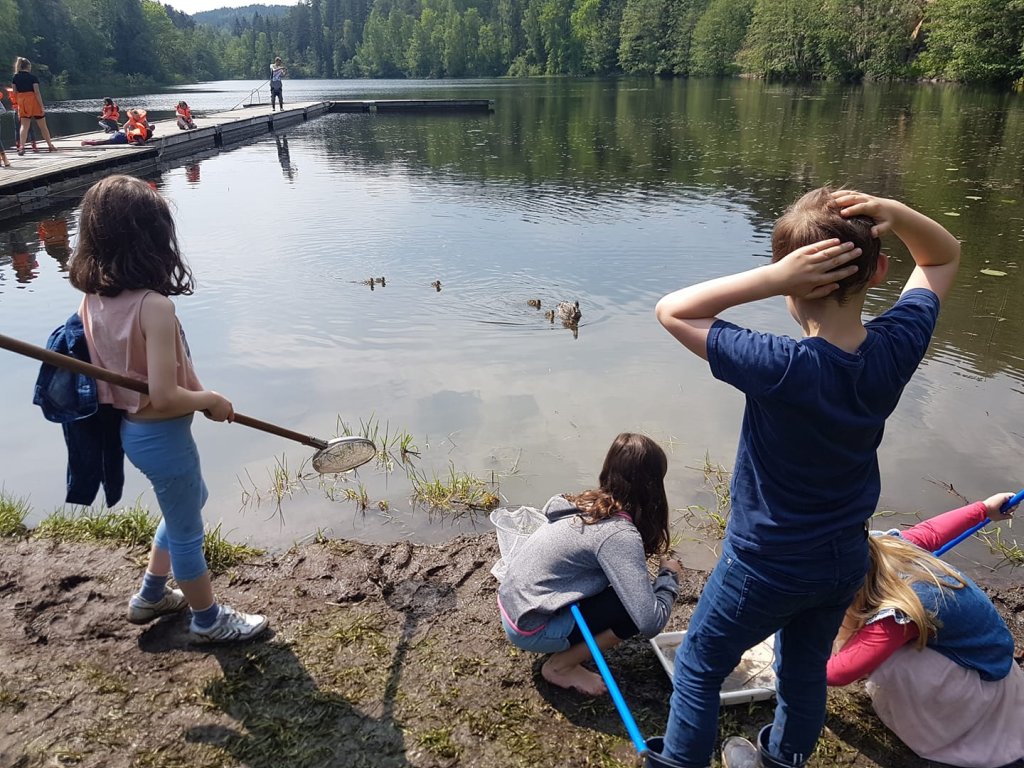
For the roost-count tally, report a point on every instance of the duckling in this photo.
(550, 315)
(436, 285)
(535, 303)
(569, 312)
(381, 281)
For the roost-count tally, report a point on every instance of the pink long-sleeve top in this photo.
(877, 641)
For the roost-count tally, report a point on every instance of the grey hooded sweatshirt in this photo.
(565, 561)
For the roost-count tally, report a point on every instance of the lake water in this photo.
(609, 192)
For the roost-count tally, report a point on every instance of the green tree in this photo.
(784, 39)
(642, 37)
(718, 36)
(973, 40)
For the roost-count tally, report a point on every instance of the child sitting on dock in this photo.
(110, 115)
(593, 551)
(137, 130)
(806, 475)
(184, 117)
(128, 265)
(937, 656)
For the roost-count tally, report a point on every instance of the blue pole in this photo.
(613, 689)
(1013, 502)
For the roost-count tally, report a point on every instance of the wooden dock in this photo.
(34, 180)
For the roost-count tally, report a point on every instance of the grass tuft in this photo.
(456, 491)
(133, 525)
(222, 555)
(12, 516)
(716, 520)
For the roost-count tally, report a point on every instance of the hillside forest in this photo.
(146, 42)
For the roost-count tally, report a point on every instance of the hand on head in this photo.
(853, 203)
(814, 271)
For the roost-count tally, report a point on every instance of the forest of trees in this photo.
(144, 41)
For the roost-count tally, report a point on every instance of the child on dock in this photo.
(110, 116)
(30, 103)
(137, 130)
(127, 263)
(184, 117)
(277, 72)
(593, 551)
(12, 96)
(937, 656)
(806, 475)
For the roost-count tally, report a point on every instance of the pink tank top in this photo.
(113, 332)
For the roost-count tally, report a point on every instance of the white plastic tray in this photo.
(752, 680)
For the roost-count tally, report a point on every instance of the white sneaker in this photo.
(230, 626)
(142, 611)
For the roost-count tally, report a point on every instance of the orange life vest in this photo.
(111, 112)
(185, 112)
(136, 130)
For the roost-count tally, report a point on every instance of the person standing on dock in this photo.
(277, 72)
(30, 102)
(13, 96)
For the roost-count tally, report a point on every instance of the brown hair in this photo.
(126, 241)
(895, 566)
(815, 217)
(21, 64)
(632, 482)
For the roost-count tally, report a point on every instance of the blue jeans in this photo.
(166, 454)
(749, 597)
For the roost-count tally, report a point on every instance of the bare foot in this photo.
(575, 677)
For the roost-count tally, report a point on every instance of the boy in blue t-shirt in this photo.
(806, 474)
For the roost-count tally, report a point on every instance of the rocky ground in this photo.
(380, 656)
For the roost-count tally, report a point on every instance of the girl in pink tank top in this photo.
(127, 263)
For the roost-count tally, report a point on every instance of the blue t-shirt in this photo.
(806, 467)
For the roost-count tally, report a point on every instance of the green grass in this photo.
(456, 491)
(222, 555)
(133, 525)
(12, 516)
(714, 520)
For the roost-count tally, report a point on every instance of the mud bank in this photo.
(381, 656)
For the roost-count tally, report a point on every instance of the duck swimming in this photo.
(535, 303)
(550, 315)
(569, 311)
(436, 285)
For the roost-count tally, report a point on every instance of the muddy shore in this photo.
(381, 655)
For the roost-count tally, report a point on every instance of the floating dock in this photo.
(34, 179)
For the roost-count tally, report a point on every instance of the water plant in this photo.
(458, 490)
(714, 520)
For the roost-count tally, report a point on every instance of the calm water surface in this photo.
(611, 193)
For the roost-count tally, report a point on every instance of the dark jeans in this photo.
(801, 597)
(277, 93)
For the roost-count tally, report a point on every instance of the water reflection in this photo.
(284, 158)
(53, 233)
(606, 192)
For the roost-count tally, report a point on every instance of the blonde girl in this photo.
(937, 656)
(30, 102)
